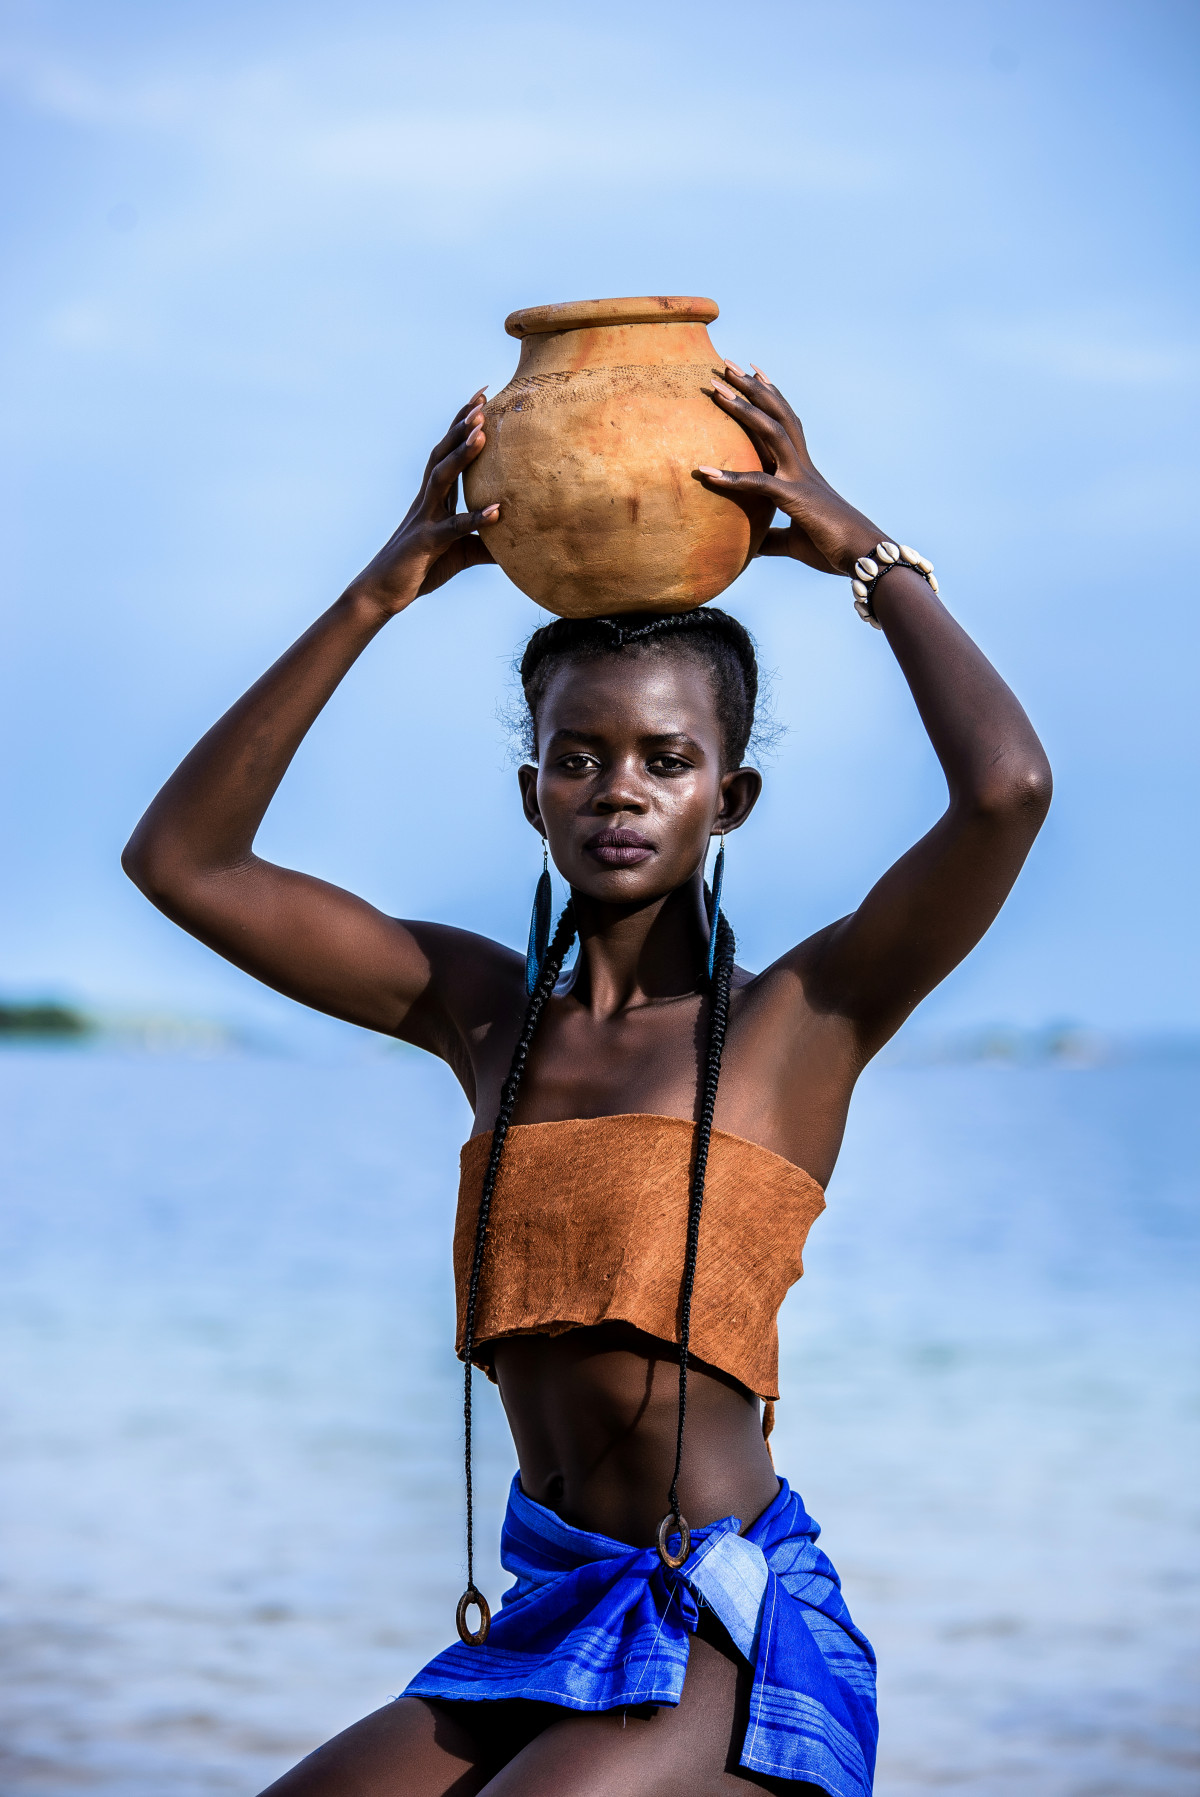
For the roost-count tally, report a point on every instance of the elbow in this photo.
(153, 869)
(1018, 795)
(138, 865)
(134, 862)
(164, 867)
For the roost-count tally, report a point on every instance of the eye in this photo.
(579, 763)
(669, 764)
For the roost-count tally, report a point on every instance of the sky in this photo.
(255, 257)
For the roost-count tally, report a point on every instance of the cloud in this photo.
(285, 120)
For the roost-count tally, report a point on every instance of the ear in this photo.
(527, 779)
(739, 795)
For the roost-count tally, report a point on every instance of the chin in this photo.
(621, 886)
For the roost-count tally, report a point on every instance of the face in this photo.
(630, 786)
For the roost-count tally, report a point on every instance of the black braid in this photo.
(718, 1019)
(556, 954)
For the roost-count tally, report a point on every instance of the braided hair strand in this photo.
(718, 1021)
(556, 954)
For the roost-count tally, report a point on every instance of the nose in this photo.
(621, 790)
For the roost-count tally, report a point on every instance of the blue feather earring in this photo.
(539, 924)
(718, 882)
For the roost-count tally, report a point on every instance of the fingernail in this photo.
(723, 387)
(713, 473)
(491, 513)
(734, 369)
(762, 377)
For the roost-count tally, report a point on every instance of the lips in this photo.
(619, 848)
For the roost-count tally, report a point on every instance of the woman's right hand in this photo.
(436, 541)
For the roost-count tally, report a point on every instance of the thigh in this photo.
(409, 1748)
(689, 1751)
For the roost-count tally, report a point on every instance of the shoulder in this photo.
(472, 983)
(794, 978)
(444, 941)
(789, 1006)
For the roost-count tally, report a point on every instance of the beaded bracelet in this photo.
(869, 569)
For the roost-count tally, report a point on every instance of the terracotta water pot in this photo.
(591, 450)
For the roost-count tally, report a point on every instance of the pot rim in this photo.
(581, 315)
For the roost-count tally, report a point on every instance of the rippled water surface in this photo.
(231, 1503)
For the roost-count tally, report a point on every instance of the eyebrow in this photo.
(659, 738)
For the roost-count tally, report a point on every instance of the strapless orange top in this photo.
(588, 1224)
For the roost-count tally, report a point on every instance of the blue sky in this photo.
(257, 254)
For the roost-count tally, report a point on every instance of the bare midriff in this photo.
(578, 1311)
(593, 1414)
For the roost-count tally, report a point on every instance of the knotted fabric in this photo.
(594, 1624)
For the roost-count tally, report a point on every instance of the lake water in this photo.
(231, 1501)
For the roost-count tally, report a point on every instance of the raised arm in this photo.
(193, 856)
(932, 907)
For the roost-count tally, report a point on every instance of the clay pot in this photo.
(591, 450)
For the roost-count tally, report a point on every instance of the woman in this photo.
(706, 1649)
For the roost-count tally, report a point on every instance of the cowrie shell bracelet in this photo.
(870, 568)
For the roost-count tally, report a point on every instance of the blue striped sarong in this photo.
(594, 1624)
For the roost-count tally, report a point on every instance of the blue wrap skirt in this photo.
(594, 1624)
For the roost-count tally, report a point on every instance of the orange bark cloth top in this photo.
(588, 1225)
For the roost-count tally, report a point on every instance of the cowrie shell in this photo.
(860, 590)
(863, 610)
(910, 556)
(887, 553)
(925, 565)
(865, 568)
(933, 582)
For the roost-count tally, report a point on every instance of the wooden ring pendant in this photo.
(477, 1637)
(673, 1524)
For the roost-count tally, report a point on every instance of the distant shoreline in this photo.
(53, 1022)
(45, 1021)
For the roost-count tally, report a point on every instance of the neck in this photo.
(635, 955)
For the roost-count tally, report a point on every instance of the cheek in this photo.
(687, 795)
(553, 794)
(688, 805)
(562, 802)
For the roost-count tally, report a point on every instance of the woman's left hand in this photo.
(824, 529)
